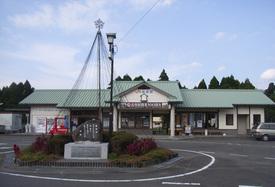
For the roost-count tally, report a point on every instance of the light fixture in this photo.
(110, 38)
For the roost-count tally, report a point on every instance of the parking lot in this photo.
(236, 161)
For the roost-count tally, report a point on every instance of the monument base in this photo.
(86, 150)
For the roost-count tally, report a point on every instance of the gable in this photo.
(170, 89)
(143, 94)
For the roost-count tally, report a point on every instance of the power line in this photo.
(139, 20)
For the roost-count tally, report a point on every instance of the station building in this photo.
(160, 107)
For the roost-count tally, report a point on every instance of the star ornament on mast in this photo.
(99, 24)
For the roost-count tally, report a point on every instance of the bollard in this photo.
(206, 132)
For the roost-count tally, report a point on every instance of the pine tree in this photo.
(138, 78)
(202, 85)
(118, 78)
(214, 83)
(163, 76)
(126, 77)
(229, 83)
(247, 85)
(270, 90)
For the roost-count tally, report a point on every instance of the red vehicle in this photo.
(59, 126)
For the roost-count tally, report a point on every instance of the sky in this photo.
(47, 42)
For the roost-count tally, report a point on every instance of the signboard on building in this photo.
(143, 105)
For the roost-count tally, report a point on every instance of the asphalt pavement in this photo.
(202, 161)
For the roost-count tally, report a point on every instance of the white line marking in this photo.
(183, 183)
(232, 154)
(1, 153)
(122, 180)
(208, 152)
(269, 158)
(5, 148)
(3, 144)
(248, 186)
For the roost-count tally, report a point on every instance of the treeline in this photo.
(11, 95)
(226, 83)
(162, 77)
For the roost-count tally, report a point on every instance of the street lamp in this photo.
(110, 39)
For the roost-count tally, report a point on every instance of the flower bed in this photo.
(126, 150)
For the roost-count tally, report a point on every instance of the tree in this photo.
(270, 90)
(12, 95)
(229, 83)
(163, 76)
(180, 86)
(138, 78)
(149, 79)
(247, 85)
(202, 85)
(214, 83)
(118, 78)
(270, 111)
(126, 77)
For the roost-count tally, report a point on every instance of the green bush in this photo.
(154, 156)
(159, 154)
(56, 144)
(28, 155)
(120, 141)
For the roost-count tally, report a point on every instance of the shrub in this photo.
(141, 146)
(16, 150)
(40, 144)
(160, 154)
(105, 136)
(120, 141)
(57, 143)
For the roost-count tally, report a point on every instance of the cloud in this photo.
(219, 35)
(225, 36)
(78, 15)
(43, 17)
(49, 63)
(221, 68)
(268, 74)
(143, 4)
(132, 64)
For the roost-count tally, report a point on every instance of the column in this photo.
(115, 119)
(119, 119)
(151, 120)
(172, 121)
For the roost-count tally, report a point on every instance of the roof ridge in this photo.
(226, 90)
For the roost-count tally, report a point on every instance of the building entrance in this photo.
(133, 120)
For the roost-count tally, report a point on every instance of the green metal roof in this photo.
(211, 98)
(67, 98)
(222, 98)
(170, 88)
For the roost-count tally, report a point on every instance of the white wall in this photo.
(11, 121)
(153, 96)
(39, 114)
(256, 110)
(222, 118)
(241, 110)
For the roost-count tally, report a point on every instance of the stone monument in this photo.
(87, 143)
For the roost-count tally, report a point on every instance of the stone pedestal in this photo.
(86, 150)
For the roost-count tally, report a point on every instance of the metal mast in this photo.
(99, 25)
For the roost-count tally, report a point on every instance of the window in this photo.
(229, 119)
(256, 119)
(272, 126)
(265, 126)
